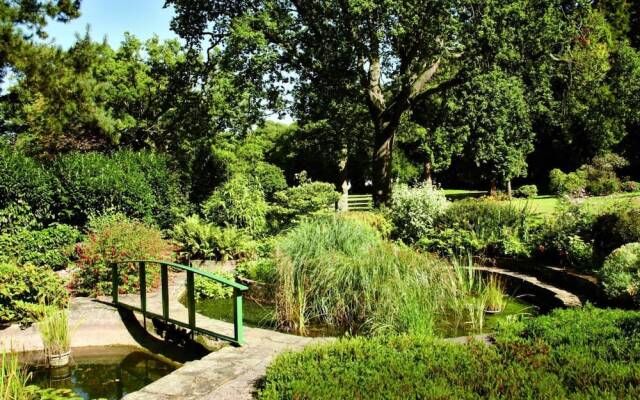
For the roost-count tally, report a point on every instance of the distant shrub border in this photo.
(563, 355)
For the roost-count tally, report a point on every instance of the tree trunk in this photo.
(494, 188)
(427, 173)
(509, 191)
(382, 159)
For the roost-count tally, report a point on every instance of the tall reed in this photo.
(54, 330)
(13, 379)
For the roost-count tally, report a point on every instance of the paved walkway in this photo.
(565, 298)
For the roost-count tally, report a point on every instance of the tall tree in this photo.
(20, 20)
(394, 53)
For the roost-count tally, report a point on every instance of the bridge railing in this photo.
(238, 331)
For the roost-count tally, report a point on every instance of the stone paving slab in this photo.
(566, 298)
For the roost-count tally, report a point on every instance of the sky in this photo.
(112, 18)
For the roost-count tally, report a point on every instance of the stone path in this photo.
(567, 299)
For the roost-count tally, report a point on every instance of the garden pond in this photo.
(102, 373)
(262, 315)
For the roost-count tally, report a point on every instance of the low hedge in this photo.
(53, 246)
(573, 354)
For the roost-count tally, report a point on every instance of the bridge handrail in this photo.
(238, 329)
(217, 278)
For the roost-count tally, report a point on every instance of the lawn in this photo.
(547, 204)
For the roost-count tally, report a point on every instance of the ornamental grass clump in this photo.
(54, 331)
(494, 294)
(340, 272)
(13, 378)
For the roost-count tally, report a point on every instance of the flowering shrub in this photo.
(116, 238)
(415, 210)
(620, 274)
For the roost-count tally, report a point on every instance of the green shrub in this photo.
(25, 181)
(260, 270)
(239, 203)
(566, 238)
(377, 220)
(53, 246)
(206, 288)
(270, 178)
(203, 240)
(494, 228)
(415, 210)
(528, 191)
(614, 229)
(18, 216)
(572, 184)
(114, 237)
(140, 185)
(620, 274)
(451, 242)
(294, 203)
(24, 288)
(530, 361)
(631, 186)
(165, 182)
(196, 237)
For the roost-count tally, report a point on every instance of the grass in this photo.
(54, 330)
(13, 379)
(544, 205)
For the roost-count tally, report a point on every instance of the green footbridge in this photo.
(144, 265)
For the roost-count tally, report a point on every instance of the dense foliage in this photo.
(529, 360)
(53, 246)
(114, 237)
(25, 288)
(620, 273)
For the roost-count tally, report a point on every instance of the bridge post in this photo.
(238, 329)
(164, 278)
(114, 283)
(191, 300)
(142, 273)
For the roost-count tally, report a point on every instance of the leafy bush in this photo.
(486, 226)
(614, 229)
(196, 237)
(631, 186)
(238, 203)
(566, 238)
(52, 246)
(260, 270)
(165, 182)
(415, 210)
(309, 198)
(24, 288)
(377, 220)
(270, 178)
(23, 180)
(528, 191)
(18, 216)
(573, 184)
(620, 274)
(206, 288)
(140, 185)
(114, 237)
(200, 239)
(529, 361)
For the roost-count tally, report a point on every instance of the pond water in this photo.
(263, 316)
(104, 373)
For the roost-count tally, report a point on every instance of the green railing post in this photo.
(164, 277)
(142, 271)
(114, 283)
(191, 300)
(238, 329)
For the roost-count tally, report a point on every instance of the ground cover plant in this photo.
(24, 288)
(530, 360)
